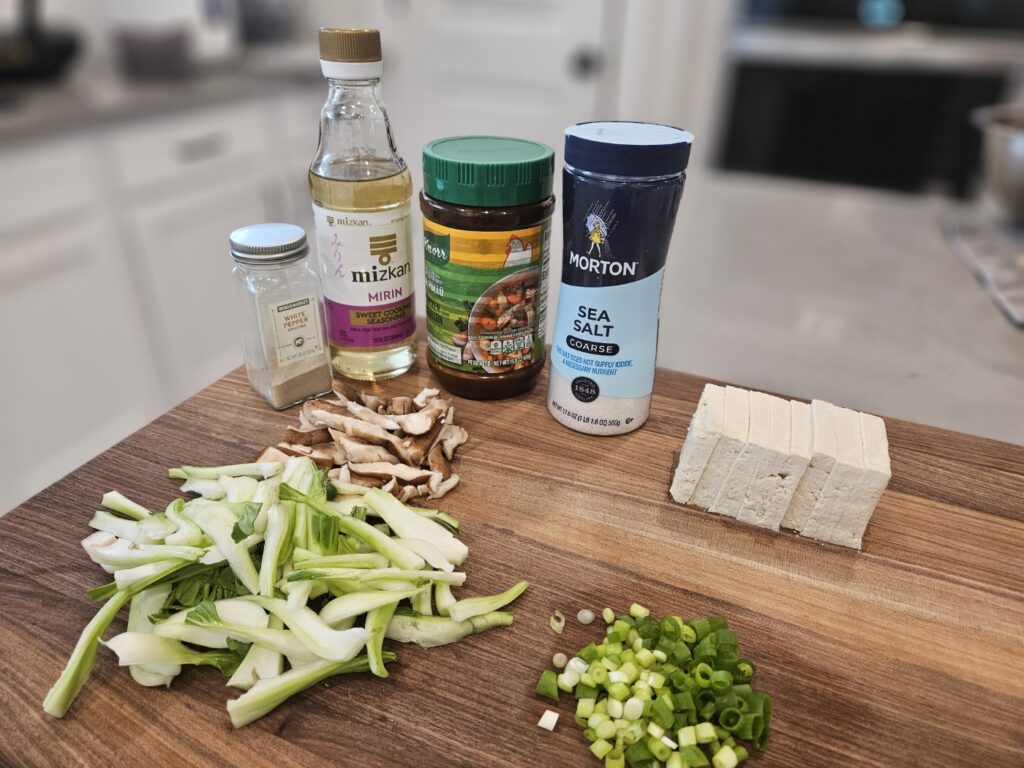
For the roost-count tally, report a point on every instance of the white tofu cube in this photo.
(701, 439)
(823, 458)
(734, 487)
(782, 465)
(837, 500)
(849, 529)
(736, 425)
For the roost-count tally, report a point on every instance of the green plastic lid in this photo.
(487, 171)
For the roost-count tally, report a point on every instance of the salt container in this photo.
(622, 184)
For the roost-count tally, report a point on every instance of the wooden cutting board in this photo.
(909, 653)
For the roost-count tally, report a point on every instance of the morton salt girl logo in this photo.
(599, 223)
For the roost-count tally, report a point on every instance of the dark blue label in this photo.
(616, 233)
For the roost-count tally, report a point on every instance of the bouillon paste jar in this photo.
(487, 208)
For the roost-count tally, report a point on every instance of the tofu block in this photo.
(838, 499)
(701, 438)
(782, 465)
(734, 487)
(848, 530)
(823, 458)
(736, 426)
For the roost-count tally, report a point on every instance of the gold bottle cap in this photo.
(349, 45)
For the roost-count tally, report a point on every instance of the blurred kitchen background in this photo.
(835, 239)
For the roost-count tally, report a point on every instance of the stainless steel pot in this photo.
(1003, 129)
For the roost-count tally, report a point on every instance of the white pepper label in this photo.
(296, 329)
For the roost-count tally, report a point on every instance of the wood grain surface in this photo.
(908, 653)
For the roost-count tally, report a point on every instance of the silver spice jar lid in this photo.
(268, 243)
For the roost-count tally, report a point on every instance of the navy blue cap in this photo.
(621, 148)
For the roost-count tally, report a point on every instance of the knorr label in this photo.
(485, 312)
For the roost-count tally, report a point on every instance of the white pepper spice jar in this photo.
(280, 306)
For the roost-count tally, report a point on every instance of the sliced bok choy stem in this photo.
(266, 695)
(356, 560)
(144, 648)
(233, 615)
(141, 576)
(121, 503)
(70, 682)
(477, 606)
(148, 531)
(428, 552)
(188, 533)
(217, 522)
(443, 597)
(409, 525)
(208, 489)
(439, 517)
(380, 542)
(421, 603)
(315, 634)
(112, 553)
(143, 605)
(262, 469)
(278, 527)
(365, 575)
(260, 663)
(377, 621)
(430, 631)
(357, 603)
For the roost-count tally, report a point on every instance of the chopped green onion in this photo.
(547, 686)
(608, 615)
(559, 660)
(557, 622)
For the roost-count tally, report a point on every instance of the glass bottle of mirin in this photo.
(279, 304)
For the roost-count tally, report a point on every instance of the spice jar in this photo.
(280, 308)
(487, 208)
(621, 189)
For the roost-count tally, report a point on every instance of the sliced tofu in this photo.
(735, 427)
(838, 499)
(823, 459)
(848, 530)
(782, 465)
(734, 487)
(701, 438)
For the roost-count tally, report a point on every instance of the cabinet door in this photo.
(77, 372)
(183, 244)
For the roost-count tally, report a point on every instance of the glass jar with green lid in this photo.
(487, 208)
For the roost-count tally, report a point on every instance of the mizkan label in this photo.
(366, 268)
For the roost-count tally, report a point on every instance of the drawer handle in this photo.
(199, 148)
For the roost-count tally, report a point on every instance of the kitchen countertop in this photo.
(95, 95)
(845, 294)
(910, 652)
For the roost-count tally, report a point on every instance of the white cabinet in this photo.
(77, 369)
(184, 271)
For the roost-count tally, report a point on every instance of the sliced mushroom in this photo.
(361, 453)
(390, 485)
(451, 437)
(306, 436)
(415, 449)
(419, 422)
(371, 416)
(400, 406)
(341, 474)
(384, 470)
(407, 493)
(345, 391)
(444, 486)
(372, 401)
(425, 394)
(272, 454)
(366, 482)
(438, 462)
(358, 429)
